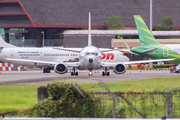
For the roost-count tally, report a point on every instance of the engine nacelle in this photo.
(60, 68)
(120, 69)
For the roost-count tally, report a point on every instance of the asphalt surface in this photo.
(37, 77)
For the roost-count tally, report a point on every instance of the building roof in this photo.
(74, 13)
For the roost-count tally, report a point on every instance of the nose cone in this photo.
(90, 60)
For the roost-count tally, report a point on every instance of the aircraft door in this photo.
(12, 54)
(41, 55)
(165, 52)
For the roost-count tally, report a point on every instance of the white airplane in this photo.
(88, 58)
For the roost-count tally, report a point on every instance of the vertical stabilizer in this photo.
(127, 46)
(89, 31)
(145, 35)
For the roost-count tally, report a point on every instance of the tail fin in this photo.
(3, 44)
(127, 46)
(145, 35)
(89, 33)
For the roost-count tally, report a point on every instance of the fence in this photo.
(136, 104)
(148, 104)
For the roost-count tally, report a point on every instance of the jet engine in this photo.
(120, 69)
(60, 68)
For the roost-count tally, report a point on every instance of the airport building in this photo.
(64, 22)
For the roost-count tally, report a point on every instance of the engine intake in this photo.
(60, 68)
(120, 69)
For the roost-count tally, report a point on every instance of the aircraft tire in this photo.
(45, 70)
(76, 73)
(48, 70)
(72, 73)
(108, 74)
(103, 74)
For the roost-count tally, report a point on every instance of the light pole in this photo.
(43, 38)
(150, 24)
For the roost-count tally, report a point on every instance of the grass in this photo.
(19, 97)
(14, 98)
(156, 84)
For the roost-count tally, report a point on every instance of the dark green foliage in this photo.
(113, 23)
(65, 101)
(163, 66)
(167, 23)
(119, 37)
(121, 111)
(159, 27)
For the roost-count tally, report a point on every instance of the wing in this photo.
(77, 50)
(112, 64)
(147, 61)
(47, 63)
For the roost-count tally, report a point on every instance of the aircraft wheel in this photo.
(48, 70)
(103, 74)
(76, 73)
(72, 73)
(45, 70)
(108, 74)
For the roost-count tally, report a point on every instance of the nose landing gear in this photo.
(90, 73)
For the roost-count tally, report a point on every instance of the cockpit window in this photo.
(88, 53)
(92, 53)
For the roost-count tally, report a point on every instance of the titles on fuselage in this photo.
(41, 54)
(107, 56)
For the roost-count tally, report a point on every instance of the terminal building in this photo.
(64, 23)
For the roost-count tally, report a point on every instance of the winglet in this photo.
(127, 46)
(89, 32)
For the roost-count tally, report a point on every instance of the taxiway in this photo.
(37, 77)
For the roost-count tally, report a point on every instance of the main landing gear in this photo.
(47, 70)
(74, 72)
(106, 72)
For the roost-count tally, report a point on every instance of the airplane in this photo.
(150, 47)
(88, 58)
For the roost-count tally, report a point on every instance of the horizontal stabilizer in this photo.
(150, 51)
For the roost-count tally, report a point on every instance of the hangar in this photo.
(43, 22)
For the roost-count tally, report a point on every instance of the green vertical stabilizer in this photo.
(145, 35)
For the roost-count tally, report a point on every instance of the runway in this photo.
(37, 77)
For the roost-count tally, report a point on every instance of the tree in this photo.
(119, 37)
(113, 23)
(167, 23)
(159, 27)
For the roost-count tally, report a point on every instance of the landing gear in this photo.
(74, 72)
(90, 73)
(106, 72)
(47, 70)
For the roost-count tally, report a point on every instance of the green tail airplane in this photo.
(150, 47)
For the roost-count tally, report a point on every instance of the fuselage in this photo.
(55, 55)
(161, 52)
